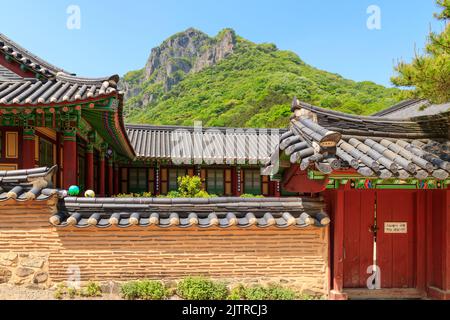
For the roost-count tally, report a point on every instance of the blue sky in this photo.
(117, 36)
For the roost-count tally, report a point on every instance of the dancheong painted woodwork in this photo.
(350, 203)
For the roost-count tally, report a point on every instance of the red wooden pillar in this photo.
(70, 158)
(438, 233)
(28, 148)
(101, 174)
(420, 239)
(338, 246)
(90, 167)
(110, 177)
(116, 179)
(446, 245)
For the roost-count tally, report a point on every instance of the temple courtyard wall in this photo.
(34, 251)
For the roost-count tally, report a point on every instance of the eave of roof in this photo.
(196, 144)
(421, 127)
(55, 91)
(374, 154)
(414, 109)
(25, 57)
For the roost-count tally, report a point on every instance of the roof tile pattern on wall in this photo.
(29, 184)
(188, 145)
(195, 212)
(35, 185)
(380, 152)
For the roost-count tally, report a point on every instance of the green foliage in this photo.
(72, 292)
(60, 291)
(428, 74)
(198, 288)
(205, 194)
(144, 290)
(271, 292)
(237, 293)
(188, 186)
(171, 194)
(93, 289)
(134, 195)
(254, 87)
(248, 195)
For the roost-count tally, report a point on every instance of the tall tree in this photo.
(429, 74)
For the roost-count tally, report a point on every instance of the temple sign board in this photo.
(395, 227)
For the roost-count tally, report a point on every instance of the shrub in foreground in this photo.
(271, 292)
(144, 290)
(199, 288)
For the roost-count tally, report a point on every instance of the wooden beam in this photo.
(338, 243)
(70, 158)
(296, 180)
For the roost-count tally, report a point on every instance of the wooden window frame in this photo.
(14, 146)
(178, 169)
(140, 171)
(214, 190)
(254, 172)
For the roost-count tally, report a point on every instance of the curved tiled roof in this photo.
(29, 184)
(413, 108)
(8, 75)
(184, 213)
(189, 144)
(25, 57)
(379, 152)
(61, 89)
(56, 85)
(416, 127)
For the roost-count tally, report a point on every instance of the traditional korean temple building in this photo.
(351, 203)
(52, 117)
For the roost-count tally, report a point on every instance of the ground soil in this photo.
(11, 292)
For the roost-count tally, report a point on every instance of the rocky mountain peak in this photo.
(187, 51)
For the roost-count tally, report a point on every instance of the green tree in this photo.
(429, 74)
(189, 187)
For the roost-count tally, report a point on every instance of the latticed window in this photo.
(137, 180)
(173, 177)
(45, 153)
(252, 182)
(215, 182)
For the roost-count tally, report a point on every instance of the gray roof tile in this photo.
(211, 145)
(417, 147)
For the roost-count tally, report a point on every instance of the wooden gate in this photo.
(379, 230)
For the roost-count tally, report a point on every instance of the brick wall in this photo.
(294, 257)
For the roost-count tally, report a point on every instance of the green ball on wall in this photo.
(74, 190)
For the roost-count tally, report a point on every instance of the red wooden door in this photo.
(358, 239)
(395, 247)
